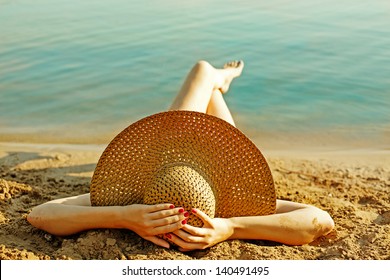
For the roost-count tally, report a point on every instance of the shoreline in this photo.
(307, 152)
(263, 140)
(264, 137)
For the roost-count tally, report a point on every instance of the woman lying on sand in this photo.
(293, 223)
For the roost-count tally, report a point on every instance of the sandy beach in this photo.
(352, 185)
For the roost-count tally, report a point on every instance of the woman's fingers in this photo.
(167, 228)
(175, 222)
(186, 245)
(164, 218)
(188, 236)
(167, 217)
(159, 207)
(167, 213)
(158, 241)
(164, 221)
(196, 231)
(185, 236)
(159, 211)
(203, 216)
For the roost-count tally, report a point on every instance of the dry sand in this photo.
(352, 185)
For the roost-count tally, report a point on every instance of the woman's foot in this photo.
(231, 70)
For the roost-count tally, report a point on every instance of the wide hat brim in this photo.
(237, 171)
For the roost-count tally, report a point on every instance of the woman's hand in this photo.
(148, 221)
(192, 238)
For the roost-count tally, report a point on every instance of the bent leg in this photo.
(197, 88)
(200, 84)
(218, 108)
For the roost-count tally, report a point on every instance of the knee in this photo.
(203, 66)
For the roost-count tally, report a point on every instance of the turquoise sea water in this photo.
(81, 71)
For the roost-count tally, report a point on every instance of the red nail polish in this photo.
(171, 206)
(181, 210)
(168, 235)
(183, 222)
(193, 211)
(186, 214)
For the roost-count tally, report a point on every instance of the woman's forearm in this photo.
(62, 219)
(297, 227)
(75, 214)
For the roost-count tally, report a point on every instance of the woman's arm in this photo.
(75, 214)
(293, 224)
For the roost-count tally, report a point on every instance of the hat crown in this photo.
(183, 186)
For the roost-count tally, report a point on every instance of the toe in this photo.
(234, 64)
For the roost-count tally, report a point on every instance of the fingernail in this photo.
(186, 214)
(183, 222)
(181, 210)
(171, 206)
(168, 235)
(193, 211)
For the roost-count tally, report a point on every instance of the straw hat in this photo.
(189, 159)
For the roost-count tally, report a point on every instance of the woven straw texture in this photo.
(224, 157)
(182, 185)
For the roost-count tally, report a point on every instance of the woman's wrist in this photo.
(227, 228)
(236, 227)
(124, 215)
